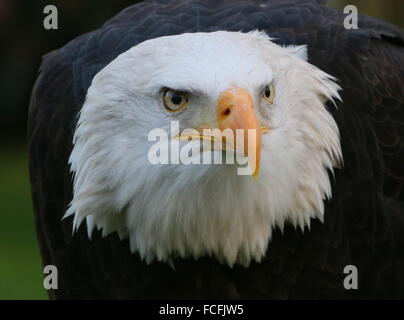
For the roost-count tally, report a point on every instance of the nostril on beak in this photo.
(226, 112)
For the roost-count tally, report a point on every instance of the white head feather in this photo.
(194, 210)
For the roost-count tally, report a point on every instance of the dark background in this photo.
(23, 40)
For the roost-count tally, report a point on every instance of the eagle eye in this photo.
(269, 93)
(174, 100)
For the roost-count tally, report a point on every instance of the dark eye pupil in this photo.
(267, 92)
(176, 98)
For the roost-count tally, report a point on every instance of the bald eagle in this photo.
(326, 108)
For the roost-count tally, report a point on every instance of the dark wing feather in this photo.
(364, 223)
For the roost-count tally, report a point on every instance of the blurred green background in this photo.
(24, 41)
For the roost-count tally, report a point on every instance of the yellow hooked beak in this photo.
(235, 111)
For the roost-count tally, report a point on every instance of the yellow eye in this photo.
(174, 100)
(269, 93)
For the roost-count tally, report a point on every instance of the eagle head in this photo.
(204, 81)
